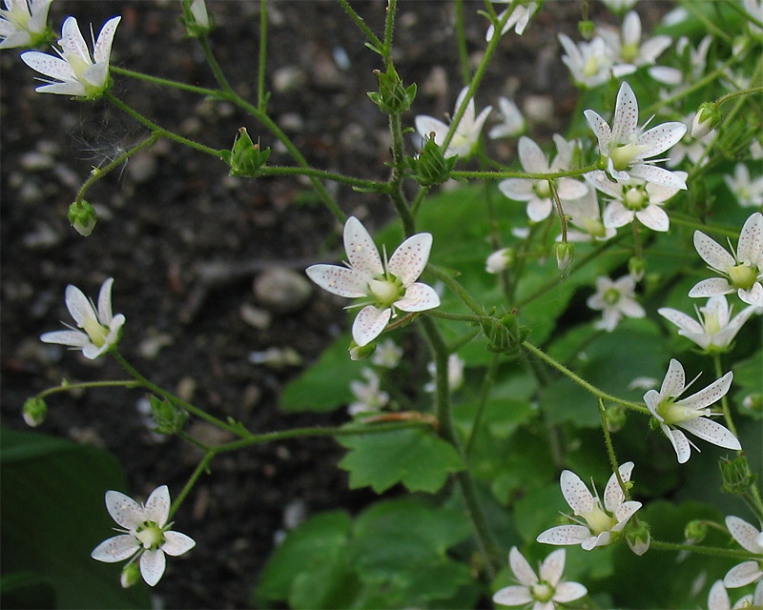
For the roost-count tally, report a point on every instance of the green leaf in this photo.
(417, 458)
(325, 386)
(53, 516)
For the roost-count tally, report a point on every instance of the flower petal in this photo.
(718, 598)
(72, 338)
(680, 319)
(565, 534)
(521, 568)
(124, 510)
(613, 494)
(571, 189)
(72, 41)
(176, 543)
(115, 549)
(658, 175)
(711, 287)
(152, 565)
(427, 125)
(744, 533)
(750, 245)
(712, 252)
(625, 121)
(531, 156)
(660, 138)
(624, 512)
(576, 493)
(742, 574)
(709, 395)
(519, 189)
(361, 250)
(569, 591)
(418, 297)
(600, 128)
(410, 258)
(539, 209)
(80, 308)
(342, 281)
(369, 324)
(681, 444)
(552, 568)
(49, 65)
(102, 49)
(654, 217)
(616, 215)
(157, 507)
(104, 302)
(513, 596)
(675, 380)
(712, 432)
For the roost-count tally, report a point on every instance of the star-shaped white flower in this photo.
(512, 122)
(749, 192)
(537, 193)
(368, 396)
(691, 413)
(635, 199)
(23, 23)
(467, 132)
(742, 271)
(626, 147)
(146, 534)
(517, 20)
(599, 526)
(750, 539)
(386, 287)
(718, 598)
(716, 329)
(545, 592)
(589, 63)
(387, 354)
(79, 74)
(585, 214)
(628, 50)
(101, 328)
(615, 299)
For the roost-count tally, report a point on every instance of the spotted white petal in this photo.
(675, 380)
(712, 432)
(552, 568)
(745, 534)
(104, 302)
(418, 297)
(564, 535)
(571, 189)
(176, 543)
(369, 324)
(600, 128)
(51, 66)
(152, 565)
(750, 245)
(657, 175)
(73, 88)
(102, 50)
(709, 395)
(124, 510)
(115, 549)
(613, 494)
(681, 445)
(539, 209)
(687, 324)
(158, 506)
(624, 512)
(712, 286)
(531, 156)
(625, 121)
(410, 258)
(342, 281)
(72, 41)
(576, 493)
(654, 217)
(712, 252)
(743, 574)
(718, 598)
(513, 596)
(521, 568)
(361, 250)
(660, 138)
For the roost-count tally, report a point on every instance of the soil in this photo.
(170, 212)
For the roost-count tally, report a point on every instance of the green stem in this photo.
(724, 399)
(164, 82)
(487, 384)
(396, 176)
(463, 51)
(463, 294)
(389, 28)
(215, 66)
(375, 43)
(203, 466)
(582, 382)
(262, 63)
(614, 464)
(658, 545)
(128, 384)
(681, 220)
(358, 183)
(500, 175)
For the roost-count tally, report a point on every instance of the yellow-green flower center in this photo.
(630, 53)
(622, 156)
(594, 227)
(385, 291)
(635, 198)
(150, 535)
(611, 296)
(599, 520)
(712, 323)
(672, 413)
(743, 276)
(592, 66)
(542, 592)
(97, 332)
(542, 189)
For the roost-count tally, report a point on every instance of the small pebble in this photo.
(282, 290)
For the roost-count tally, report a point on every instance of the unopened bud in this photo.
(615, 417)
(636, 268)
(34, 412)
(130, 575)
(638, 538)
(431, 167)
(196, 18)
(500, 260)
(361, 353)
(169, 418)
(737, 478)
(245, 158)
(564, 252)
(586, 29)
(82, 217)
(393, 96)
(695, 531)
(707, 117)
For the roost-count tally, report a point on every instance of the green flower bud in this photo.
(504, 335)
(393, 97)
(361, 353)
(586, 29)
(615, 418)
(195, 18)
(707, 118)
(638, 537)
(564, 252)
(245, 158)
(431, 167)
(636, 268)
(82, 217)
(34, 412)
(169, 418)
(753, 403)
(695, 531)
(130, 575)
(737, 478)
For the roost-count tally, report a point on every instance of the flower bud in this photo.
(82, 217)
(169, 418)
(737, 478)
(638, 538)
(695, 531)
(245, 158)
(34, 412)
(195, 18)
(636, 268)
(753, 403)
(564, 251)
(361, 353)
(393, 97)
(130, 575)
(707, 117)
(431, 167)
(500, 260)
(586, 29)
(615, 417)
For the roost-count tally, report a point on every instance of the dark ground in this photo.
(171, 210)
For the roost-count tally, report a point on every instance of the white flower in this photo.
(585, 214)
(716, 329)
(619, 6)
(544, 592)
(750, 539)
(691, 148)
(23, 23)
(102, 329)
(387, 286)
(599, 526)
(387, 354)
(146, 534)
(690, 413)
(588, 62)
(499, 260)
(755, 9)
(512, 122)
(749, 193)
(615, 300)
(517, 20)
(455, 374)
(467, 132)
(743, 270)
(80, 75)
(537, 193)
(718, 598)
(199, 12)
(628, 50)
(626, 147)
(635, 199)
(368, 396)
